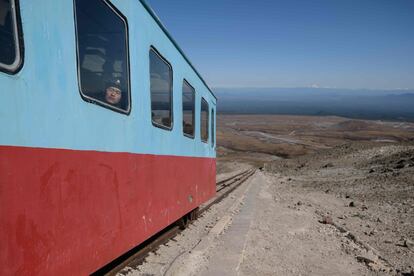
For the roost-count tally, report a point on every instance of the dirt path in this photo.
(268, 235)
(168, 259)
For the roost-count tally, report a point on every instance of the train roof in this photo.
(164, 29)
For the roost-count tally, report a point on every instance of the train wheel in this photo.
(183, 222)
(194, 214)
(186, 220)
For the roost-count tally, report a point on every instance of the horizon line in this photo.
(309, 87)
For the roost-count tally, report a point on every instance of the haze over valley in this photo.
(397, 104)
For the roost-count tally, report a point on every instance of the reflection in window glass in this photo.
(9, 39)
(161, 90)
(204, 120)
(188, 109)
(102, 54)
(212, 128)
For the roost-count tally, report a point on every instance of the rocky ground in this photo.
(364, 188)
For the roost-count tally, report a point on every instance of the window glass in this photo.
(212, 128)
(103, 54)
(204, 120)
(161, 90)
(188, 109)
(10, 58)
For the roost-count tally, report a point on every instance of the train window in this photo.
(188, 109)
(204, 120)
(161, 90)
(212, 128)
(10, 37)
(102, 41)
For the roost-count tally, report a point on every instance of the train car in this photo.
(107, 137)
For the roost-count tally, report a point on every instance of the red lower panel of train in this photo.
(67, 212)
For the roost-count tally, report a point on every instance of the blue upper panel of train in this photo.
(56, 89)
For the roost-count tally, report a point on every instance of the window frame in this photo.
(212, 125)
(155, 124)
(18, 62)
(201, 121)
(194, 110)
(93, 100)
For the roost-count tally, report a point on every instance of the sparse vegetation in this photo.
(261, 138)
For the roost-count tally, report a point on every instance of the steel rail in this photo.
(231, 177)
(222, 193)
(231, 181)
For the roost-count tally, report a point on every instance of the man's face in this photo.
(113, 95)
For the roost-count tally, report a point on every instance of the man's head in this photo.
(113, 95)
(113, 92)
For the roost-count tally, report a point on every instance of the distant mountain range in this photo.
(362, 103)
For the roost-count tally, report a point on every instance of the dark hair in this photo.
(117, 83)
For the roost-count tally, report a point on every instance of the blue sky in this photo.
(292, 43)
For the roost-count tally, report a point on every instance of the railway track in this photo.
(225, 187)
(137, 255)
